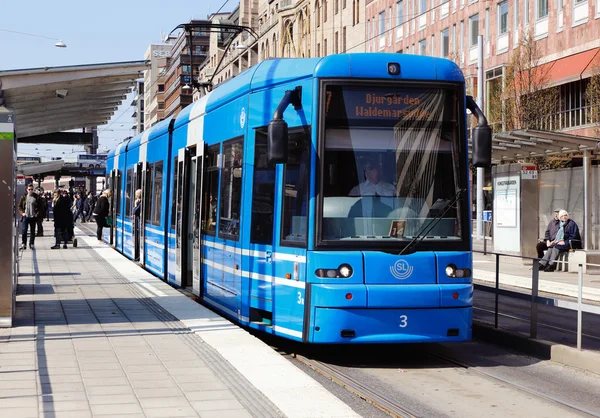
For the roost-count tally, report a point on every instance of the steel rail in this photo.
(352, 385)
(472, 368)
(594, 337)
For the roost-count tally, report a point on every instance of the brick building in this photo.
(178, 73)
(566, 35)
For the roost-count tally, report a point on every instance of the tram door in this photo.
(195, 213)
(184, 217)
(115, 181)
(138, 227)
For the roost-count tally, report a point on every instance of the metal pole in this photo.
(497, 290)
(579, 307)
(480, 170)
(587, 214)
(535, 276)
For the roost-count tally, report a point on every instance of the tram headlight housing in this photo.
(452, 271)
(343, 271)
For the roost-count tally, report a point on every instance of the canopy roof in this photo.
(527, 143)
(53, 99)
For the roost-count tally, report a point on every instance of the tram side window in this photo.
(296, 185)
(231, 189)
(157, 193)
(209, 200)
(175, 185)
(149, 193)
(128, 194)
(120, 194)
(263, 193)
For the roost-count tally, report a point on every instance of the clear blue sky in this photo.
(95, 32)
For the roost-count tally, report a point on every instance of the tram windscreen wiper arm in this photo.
(428, 227)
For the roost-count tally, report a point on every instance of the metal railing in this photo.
(534, 298)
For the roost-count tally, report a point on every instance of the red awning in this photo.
(572, 68)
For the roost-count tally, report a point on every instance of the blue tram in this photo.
(323, 200)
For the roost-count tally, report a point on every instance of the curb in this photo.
(584, 360)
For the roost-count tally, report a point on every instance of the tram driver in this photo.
(372, 186)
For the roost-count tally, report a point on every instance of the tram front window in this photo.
(393, 162)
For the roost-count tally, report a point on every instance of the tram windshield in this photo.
(393, 162)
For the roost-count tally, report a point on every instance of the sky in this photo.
(94, 32)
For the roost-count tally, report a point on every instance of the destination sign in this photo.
(357, 105)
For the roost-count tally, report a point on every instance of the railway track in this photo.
(371, 396)
(474, 369)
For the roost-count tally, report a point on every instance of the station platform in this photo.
(96, 335)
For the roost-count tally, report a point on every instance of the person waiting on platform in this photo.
(137, 217)
(372, 186)
(549, 236)
(101, 212)
(28, 208)
(63, 218)
(567, 237)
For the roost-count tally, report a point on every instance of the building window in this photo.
(344, 39)
(324, 47)
(541, 9)
(324, 11)
(454, 38)
(336, 43)
(473, 30)
(382, 30)
(161, 106)
(354, 14)
(526, 7)
(336, 6)
(185, 69)
(357, 11)
(318, 50)
(344, 4)
(445, 44)
(161, 88)
(422, 6)
(432, 53)
(399, 13)
(503, 17)
(318, 13)
(422, 47)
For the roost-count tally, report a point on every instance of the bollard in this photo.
(579, 307)
(497, 290)
(535, 276)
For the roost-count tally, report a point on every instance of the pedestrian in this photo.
(42, 208)
(92, 204)
(101, 212)
(567, 238)
(28, 207)
(549, 236)
(80, 207)
(63, 218)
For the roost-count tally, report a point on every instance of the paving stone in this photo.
(217, 405)
(51, 405)
(209, 395)
(164, 402)
(20, 412)
(109, 390)
(21, 402)
(232, 413)
(122, 409)
(112, 399)
(178, 411)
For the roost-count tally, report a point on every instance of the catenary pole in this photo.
(480, 170)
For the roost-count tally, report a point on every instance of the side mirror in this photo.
(482, 146)
(277, 141)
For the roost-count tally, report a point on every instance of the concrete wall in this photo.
(563, 188)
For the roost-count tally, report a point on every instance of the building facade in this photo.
(138, 115)
(154, 82)
(181, 66)
(564, 34)
(285, 28)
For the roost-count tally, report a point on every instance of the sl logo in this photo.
(401, 270)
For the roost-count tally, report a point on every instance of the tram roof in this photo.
(54, 99)
(274, 72)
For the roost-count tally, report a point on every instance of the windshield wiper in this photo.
(428, 227)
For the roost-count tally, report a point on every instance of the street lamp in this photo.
(59, 44)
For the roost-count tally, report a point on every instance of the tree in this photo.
(529, 101)
(592, 95)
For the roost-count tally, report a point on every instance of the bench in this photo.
(562, 262)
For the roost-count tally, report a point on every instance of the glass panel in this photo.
(231, 189)
(503, 12)
(209, 200)
(473, 30)
(542, 8)
(391, 164)
(296, 188)
(120, 193)
(158, 191)
(149, 193)
(263, 193)
(128, 193)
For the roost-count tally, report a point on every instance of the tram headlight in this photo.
(450, 270)
(345, 271)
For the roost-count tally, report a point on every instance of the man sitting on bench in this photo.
(566, 238)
